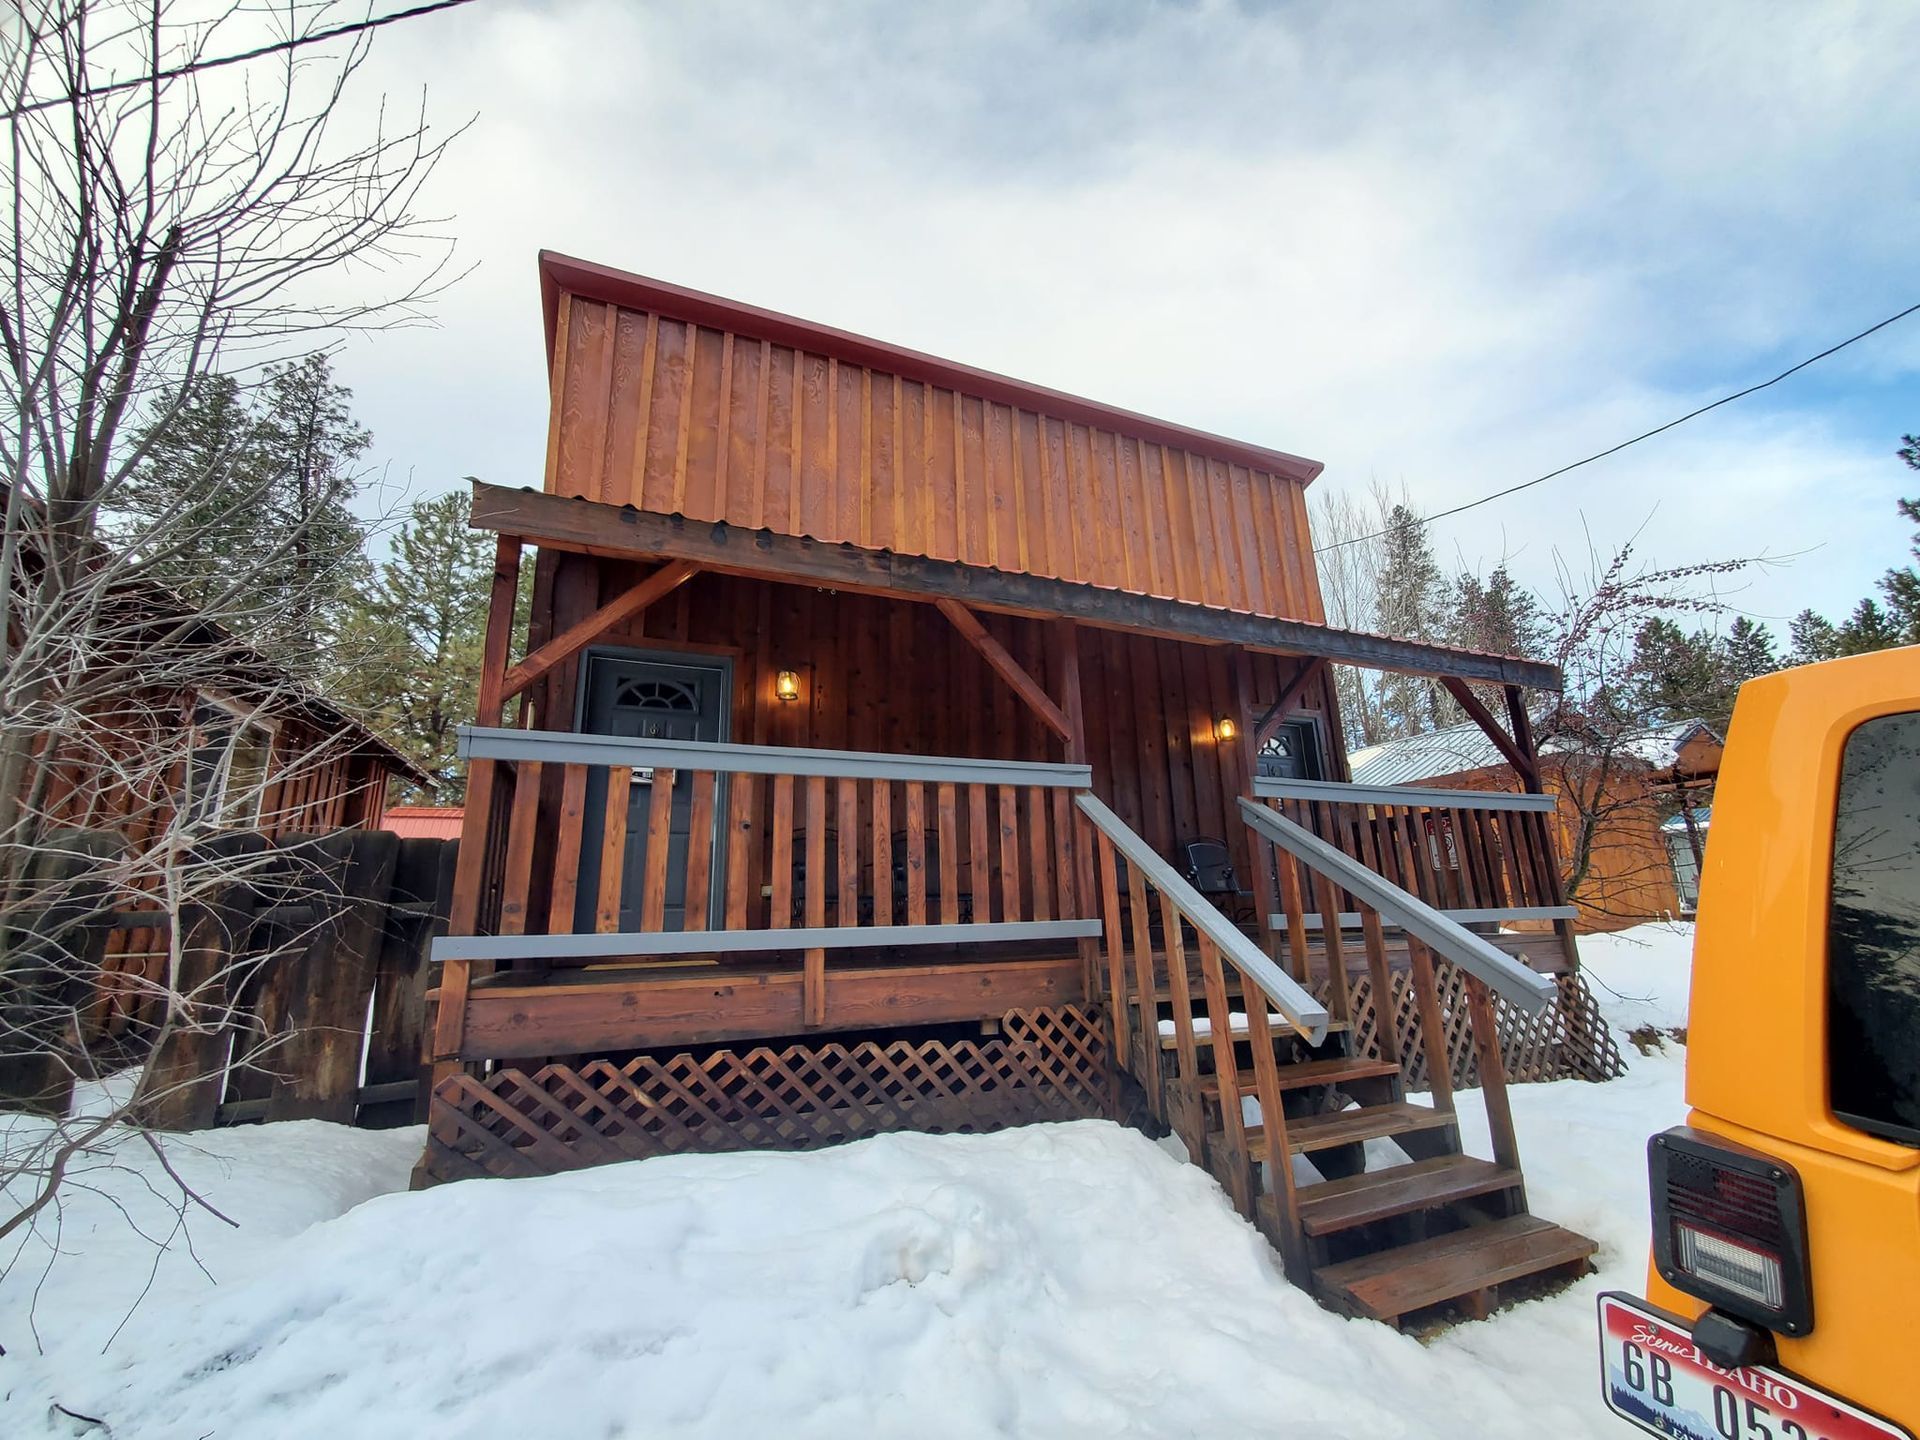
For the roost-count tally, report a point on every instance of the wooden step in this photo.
(1393, 1283)
(1349, 1127)
(1170, 1038)
(1303, 1073)
(1400, 1190)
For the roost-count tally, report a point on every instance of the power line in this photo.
(1648, 435)
(278, 47)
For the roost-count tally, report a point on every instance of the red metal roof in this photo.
(424, 822)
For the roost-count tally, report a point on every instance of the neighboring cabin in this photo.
(1614, 816)
(221, 734)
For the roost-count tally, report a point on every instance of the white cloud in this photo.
(1452, 245)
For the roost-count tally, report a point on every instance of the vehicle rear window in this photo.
(1873, 936)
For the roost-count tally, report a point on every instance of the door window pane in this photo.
(1873, 944)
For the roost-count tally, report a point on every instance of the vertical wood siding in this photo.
(679, 418)
(878, 674)
(314, 781)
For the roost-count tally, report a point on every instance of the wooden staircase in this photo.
(1367, 1194)
(1370, 1230)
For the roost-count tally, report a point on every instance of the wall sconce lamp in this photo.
(786, 686)
(1225, 728)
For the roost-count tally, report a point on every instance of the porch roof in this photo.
(623, 532)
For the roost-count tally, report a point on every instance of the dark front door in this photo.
(648, 699)
(1292, 752)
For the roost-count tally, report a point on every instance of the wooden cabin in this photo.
(244, 746)
(898, 745)
(1618, 865)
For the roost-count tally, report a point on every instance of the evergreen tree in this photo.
(1870, 627)
(201, 475)
(411, 636)
(1867, 628)
(1902, 586)
(1495, 615)
(1409, 605)
(1677, 675)
(262, 487)
(310, 442)
(1748, 651)
(1812, 638)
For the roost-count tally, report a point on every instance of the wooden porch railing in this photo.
(1477, 856)
(1144, 950)
(798, 850)
(746, 847)
(1428, 931)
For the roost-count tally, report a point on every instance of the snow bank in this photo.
(1058, 1280)
(1641, 976)
(119, 1233)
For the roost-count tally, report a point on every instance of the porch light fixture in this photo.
(786, 685)
(1225, 728)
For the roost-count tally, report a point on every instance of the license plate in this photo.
(1651, 1374)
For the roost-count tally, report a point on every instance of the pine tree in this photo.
(262, 487)
(1812, 638)
(411, 636)
(1748, 651)
(1868, 628)
(310, 441)
(1902, 586)
(1495, 615)
(1677, 675)
(200, 475)
(1410, 597)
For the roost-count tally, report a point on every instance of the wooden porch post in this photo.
(1063, 637)
(449, 1031)
(1530, 780)
(1523, 738)
(1254, 731)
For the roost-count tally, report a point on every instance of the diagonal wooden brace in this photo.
(1289, 697)
(658, 585)
(1521, 762)
(1008, 668)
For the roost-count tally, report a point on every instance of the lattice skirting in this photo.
(1566, 1041)
(1045, 1064)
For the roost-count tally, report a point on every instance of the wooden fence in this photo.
(297, 988)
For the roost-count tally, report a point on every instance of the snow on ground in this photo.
(1057, 1280)
(1640, 976)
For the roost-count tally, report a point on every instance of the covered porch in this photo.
(664, 883)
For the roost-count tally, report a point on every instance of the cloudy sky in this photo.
(1448, 246)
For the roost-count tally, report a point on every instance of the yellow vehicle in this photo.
(1783, 1300)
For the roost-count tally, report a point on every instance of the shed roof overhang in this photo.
(622, 532)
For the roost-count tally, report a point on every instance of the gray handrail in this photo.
(625, 944)
(1304, 1013)
(565, 747)
(1528, 989)
(1336, 792)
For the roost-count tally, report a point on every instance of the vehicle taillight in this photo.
(1729, 1226)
